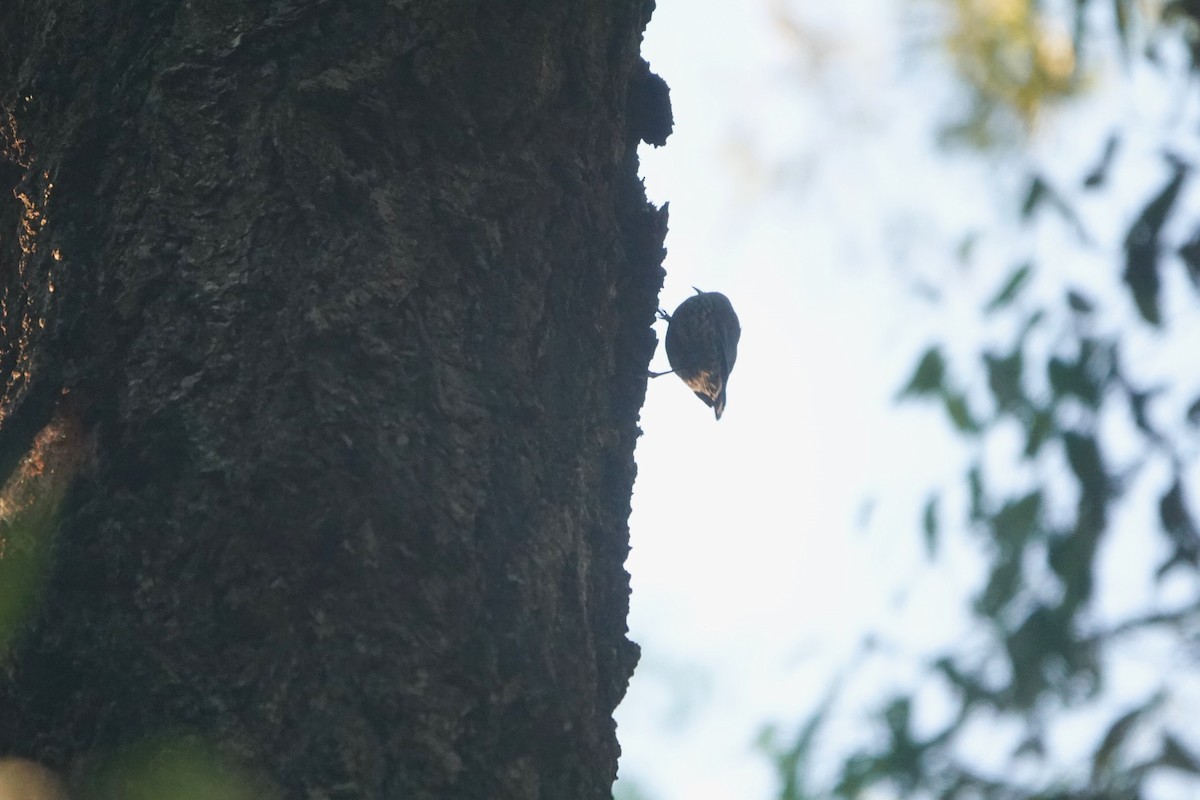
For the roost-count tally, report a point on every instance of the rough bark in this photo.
(342, 311)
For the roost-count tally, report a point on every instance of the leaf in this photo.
(1001, 588)
(1175, 755)
(1121, 16)
(1016, 521)
(975, 484)
(1193, 412)
(1078, 303)
(1041, 427)
(959, 412)
(1099, 173)
(1142, 246)
(1083, 455)
(1067, 380)
(1034, 196)
(1178, 523)
(1189, 253)
(929, 375)
(1118, 732)
(1139, 403)
(929, 524)
(1004, 379)
(1012, 287)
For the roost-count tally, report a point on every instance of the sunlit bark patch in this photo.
(26, 280)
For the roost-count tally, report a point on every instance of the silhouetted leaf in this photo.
(1004, 379)
(1011, 288)
(1033, 196)
(975, 484)
(1175, 755)
(1193, 412)
(1073, 380)
(1118, 732)
(1016, 521)
(1178, 523)
(1040, 428)
(959, 412)
(1029, 646)
(928, 376)
(929, 524)
(1099, 173)
(1121, 16)
(1139, 402)
(1142, 246)
(1079, 303)
(1083, 454)
(1189, 253)
(1001, 588)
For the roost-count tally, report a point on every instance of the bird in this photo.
(702, 340)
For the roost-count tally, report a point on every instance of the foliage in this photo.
(1103, 448)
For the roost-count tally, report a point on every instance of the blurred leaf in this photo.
(928, 376)
(1139, 403)
(1079, 303)
(969, 688)
(1012, 287)
(1034, 196)
(1121, 16)
(975, 483)
(1115, 737)
(1040, 428)
(1142, 246)
(1001, 588)
(1004, 379)
(959, 413)
(1016, 521)
(1074, 380)
(929, 524)
(1099, 173)
(1175, 755)
(1083, 455)
(1178, 523)
(1193, 412)
(1029, 646)
(1189, 253)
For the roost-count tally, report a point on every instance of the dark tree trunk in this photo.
(325, 334)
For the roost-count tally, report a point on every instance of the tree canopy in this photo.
(1080, 405)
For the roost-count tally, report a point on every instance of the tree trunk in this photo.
(325, 332)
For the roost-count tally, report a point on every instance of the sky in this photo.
(806, 184)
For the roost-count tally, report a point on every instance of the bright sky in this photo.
(809, 190)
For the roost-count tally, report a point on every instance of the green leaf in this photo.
(1175, 755)
(1078, 303)
(1178, 523)
(960, 413)
(1004, 379)
(1121, 16)
(975, 484)
(1115, 737)
(1012, 287)
(1002, 586)
(1083, 455)
(1193, 412)
(1040, 428)
(929, 524)
(1017, 521)
(1142, 245)
(1075, 379)
(929, 375)
(1034, 196)
(1099, 173)
(1189, 253)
